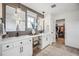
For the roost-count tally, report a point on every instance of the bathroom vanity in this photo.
(16, 46)
(22, 45)
(18, 38)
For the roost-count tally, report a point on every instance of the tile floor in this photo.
(58, 50)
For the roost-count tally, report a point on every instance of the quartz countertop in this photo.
(13, 39)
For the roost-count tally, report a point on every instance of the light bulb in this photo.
(18, 10)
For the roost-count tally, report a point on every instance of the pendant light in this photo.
(54, 5)
(17, 14)
(19, 8)
(43, 12)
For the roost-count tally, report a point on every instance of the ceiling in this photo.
(60, 7)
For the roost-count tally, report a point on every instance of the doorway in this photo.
(60, 31)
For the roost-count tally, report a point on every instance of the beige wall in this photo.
(0, 10)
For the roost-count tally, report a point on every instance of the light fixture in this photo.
(0, 21)
(43, 13)
(17, 13)
(54, 5)
(19, 8)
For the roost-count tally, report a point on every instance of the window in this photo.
(30, 21)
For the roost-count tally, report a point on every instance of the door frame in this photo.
(64, 28)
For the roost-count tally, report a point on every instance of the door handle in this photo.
(21, 49)
(47, 39)
(30, 40)
(21, 42)
(7, 46)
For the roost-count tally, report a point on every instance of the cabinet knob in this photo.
(21, 49)
(21, 42)
(30, 40)
(7, 46)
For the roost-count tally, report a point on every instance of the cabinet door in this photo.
(27, 48)
(11, 52)
(48, 39)
(45, 41)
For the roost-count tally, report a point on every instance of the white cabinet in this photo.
(44, 41)
(17, 48)
(8, 49)
(27, 48)
(11, 52)
(51, 39)
(48, 36)
(48, 39)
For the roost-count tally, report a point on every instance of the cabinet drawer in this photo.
(22, 42)
(29, 40)
(7, 46)
(19, 43)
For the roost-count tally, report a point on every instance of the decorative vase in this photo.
(33, 31)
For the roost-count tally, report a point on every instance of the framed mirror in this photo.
(21, 20)
(31, 20)
(15, 19)
(10, 19)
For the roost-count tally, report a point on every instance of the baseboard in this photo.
(72, 47)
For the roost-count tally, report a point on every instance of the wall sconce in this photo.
(2, 29)
(1, 20)
(43, 20)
